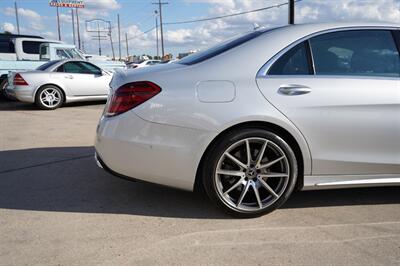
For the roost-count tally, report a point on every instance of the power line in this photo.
(230, 15)
(140, 34)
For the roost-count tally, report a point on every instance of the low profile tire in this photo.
(249, 172)
(49, 97)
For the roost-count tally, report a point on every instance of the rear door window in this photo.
(356, 53)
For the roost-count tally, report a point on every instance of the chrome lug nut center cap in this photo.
(251, 173)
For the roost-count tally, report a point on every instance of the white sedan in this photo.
(315, 106)
(144, 63)
(58, 82)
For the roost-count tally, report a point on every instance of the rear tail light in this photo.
(19, 81)
(130, 95)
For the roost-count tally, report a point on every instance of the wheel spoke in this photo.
(234, 186)
(273, 175)
(239, 163)
(269, 164)
(261, 153)
(248, 152)
(230, 172)
(246, 188)
(267, 187)
(257, 195)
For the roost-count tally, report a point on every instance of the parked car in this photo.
(24, 53)
(144, 63)
(316, 107)
(58, 82)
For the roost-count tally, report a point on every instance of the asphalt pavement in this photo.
(57, 207)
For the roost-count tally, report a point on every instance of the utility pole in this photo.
(119, 38)
(127, 48)
(291, 12)
(111, 41)
(77, 28)
(98, 36)
(58, 25)
(73, 25)
(160, 4)
(16, 15)
(158, 52)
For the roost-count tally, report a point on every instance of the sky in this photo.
(138, 16)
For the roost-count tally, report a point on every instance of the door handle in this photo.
(294, 89)
(69, 77)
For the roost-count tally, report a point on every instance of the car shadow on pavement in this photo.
(67, 179)
(11, 105)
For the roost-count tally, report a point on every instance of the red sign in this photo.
(67, 3)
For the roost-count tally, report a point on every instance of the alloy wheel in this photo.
(252, 174)
(50, 97)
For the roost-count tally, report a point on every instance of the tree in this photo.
(7, 32)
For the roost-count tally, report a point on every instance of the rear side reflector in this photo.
(19, 81)
(130, 95)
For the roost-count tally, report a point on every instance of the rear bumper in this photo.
(23, 94)
(132, 148)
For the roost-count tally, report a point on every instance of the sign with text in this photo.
(67, 3)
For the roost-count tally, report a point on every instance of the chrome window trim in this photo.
(263, 72)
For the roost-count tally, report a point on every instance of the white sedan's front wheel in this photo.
(250, 172)
(49, 97)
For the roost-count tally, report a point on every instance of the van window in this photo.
(31, 47)
(6, 47)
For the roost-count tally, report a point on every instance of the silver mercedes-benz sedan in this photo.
(57, 82)
(251, 120)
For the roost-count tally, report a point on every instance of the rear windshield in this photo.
(219, 48)
(47, 65)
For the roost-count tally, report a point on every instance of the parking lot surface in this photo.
(58, 207)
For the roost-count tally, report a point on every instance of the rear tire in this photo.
(3, 85)
(49, 97)
(249, 172)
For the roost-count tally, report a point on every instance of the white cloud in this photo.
(23, 12)
(102, 4)
(8, 27)
(207, 33)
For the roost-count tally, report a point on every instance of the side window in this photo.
(61, 54)
(30, 47)
(293, 62)
(71, 67)
(6, 47)
(356, 53)
(90, 69)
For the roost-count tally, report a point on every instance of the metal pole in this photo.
(98, 35)
(119, 38)
(111, 41)
(16, 15)
(127, 47)
(291, 12)
(73, 25)
(158, 52)
(58, 25)
(161, 28)
(77, 28)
